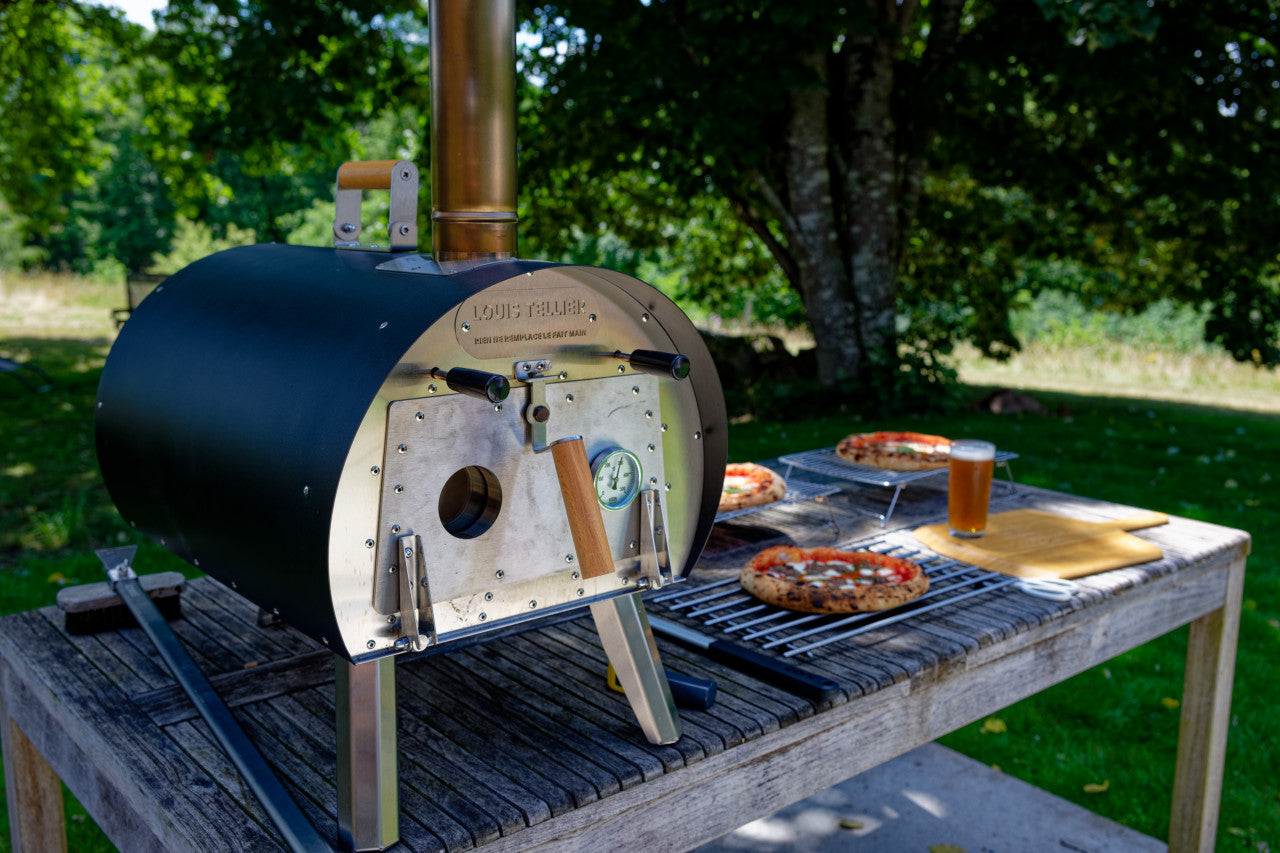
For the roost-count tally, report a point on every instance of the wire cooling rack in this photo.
(725, 609)
(827, 462)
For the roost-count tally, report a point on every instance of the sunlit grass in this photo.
(49, 305)
(1120, 370)
(1160, 353)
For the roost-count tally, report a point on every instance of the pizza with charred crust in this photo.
(748, 484)
(896, 451)
(828, 580)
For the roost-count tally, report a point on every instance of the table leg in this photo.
(368, 792)
(36, 820)
(1206, 717)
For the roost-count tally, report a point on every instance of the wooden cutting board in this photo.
(1029, 543)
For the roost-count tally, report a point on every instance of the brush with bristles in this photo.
(93, 607)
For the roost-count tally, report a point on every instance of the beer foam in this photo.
(973, 451)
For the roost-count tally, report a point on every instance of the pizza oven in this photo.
(393, 451)
(355, 442)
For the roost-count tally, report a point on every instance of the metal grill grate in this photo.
(725, 608)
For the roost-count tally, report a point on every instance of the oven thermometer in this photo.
(616, 473)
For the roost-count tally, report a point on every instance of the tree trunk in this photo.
(813, 233)
(841, 210)
(872, 197)
(852, 187)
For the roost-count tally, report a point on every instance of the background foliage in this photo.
(1121, 151)
(1085, 163)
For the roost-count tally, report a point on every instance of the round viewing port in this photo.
(470, 501)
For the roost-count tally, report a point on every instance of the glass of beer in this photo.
(969, 487)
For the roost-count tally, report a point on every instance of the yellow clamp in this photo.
(611, 679)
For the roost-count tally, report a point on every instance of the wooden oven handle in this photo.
(367, 174)
(580, 503)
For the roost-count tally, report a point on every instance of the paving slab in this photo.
(932, 800)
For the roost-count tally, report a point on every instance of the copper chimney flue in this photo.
(473, 137)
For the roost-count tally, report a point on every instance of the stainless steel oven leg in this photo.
(628, 642)
(368, 799)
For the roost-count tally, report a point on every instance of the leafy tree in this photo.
(1141, 144)
(15, 254)
(254, 105)
(123, 211)
(903, 161)
(56, 87)
(693, 248)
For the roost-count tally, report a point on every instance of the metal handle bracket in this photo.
(655, 557)
(408, 562)
(399, 176)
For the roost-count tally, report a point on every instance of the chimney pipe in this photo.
(473, 117)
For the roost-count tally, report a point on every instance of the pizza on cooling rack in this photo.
(828, 580)
(896, 451)
(748, 484)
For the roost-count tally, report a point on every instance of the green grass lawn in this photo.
(1104, 739)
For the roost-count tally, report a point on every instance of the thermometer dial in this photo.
(616, 473)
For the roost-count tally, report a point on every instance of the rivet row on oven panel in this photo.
(531, 518)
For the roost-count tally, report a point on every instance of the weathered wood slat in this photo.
(425, 826)
(505, 723)
(252, 644)
(146, 667)
(476, 796)
(267, 643)
(430, 778)
(224, 649)
(141, 789)
(605, 711)
(713, 731)
(142, 648)
(169, 704)
(584, 668)
(301, 765)
(106, 661)
(628, 765)
(507, 760)
(745, 724)
(196, 741)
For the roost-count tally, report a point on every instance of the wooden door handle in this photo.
(580, 503)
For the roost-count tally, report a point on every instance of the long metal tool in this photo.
(298, 832)
(765, 667)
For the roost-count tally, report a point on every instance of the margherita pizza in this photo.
(896, 451)
(748, 484)
(827, 580)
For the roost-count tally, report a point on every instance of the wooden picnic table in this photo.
(516, 743)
